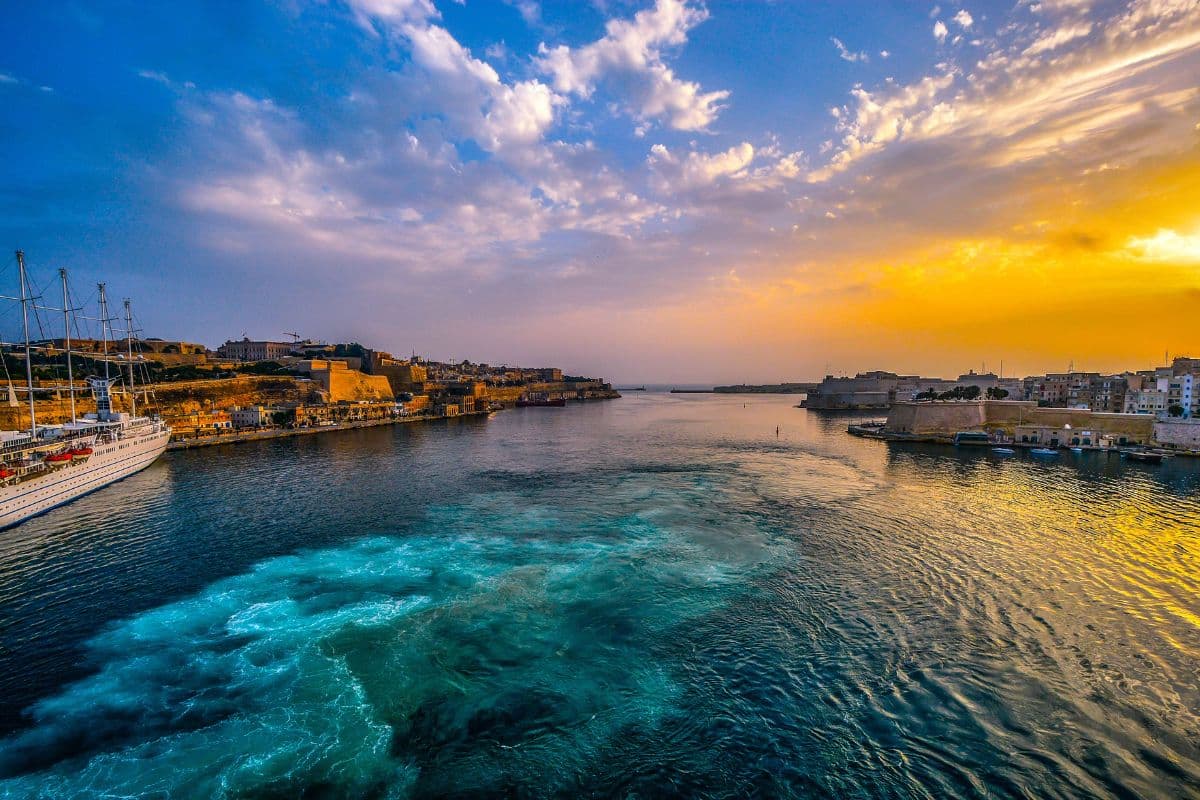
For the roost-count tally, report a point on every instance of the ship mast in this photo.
(129, 345)
(25, 300)
(103, 325)
(104, 336)
(62, 273)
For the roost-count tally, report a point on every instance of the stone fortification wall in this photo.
(1179, 434)
(352, 385)
(944, 419)
(936, 418)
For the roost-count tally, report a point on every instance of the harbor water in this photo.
(654, 596)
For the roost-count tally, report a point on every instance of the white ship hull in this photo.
(110, 462)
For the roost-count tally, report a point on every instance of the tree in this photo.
(1175, 411)
(996, 393)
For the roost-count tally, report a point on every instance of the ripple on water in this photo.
(701, 609)
(500, 643)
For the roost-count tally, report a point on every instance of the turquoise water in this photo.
(648, 597)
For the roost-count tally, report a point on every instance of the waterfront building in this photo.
(1181, 394)
(251, 416)
(1108, 393)
(1146, 401)
(247, 350)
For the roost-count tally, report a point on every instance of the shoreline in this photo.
(283, 433)
(866, 431)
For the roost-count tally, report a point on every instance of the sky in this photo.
(658, 191)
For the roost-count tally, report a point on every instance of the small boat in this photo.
(971, 438)
(1076, 449)
(58, 459)
(80, 453)
(541, 402)
(1043, 451)
(1144, 456)
(1003, 451)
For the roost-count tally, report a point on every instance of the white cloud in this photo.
(530, 10)
(391, 12)
(1037, 92)
(6, 78)
(497, 115)
(629, 57)
(1057, 37)
(698, 169)
(846, 54)
(964, 18)
(939, 31)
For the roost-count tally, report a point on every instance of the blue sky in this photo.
(555, 182)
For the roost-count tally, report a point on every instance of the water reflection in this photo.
(654, 596)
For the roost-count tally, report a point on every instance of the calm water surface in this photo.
(649, 597)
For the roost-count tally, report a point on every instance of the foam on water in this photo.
(646, 598)
(499, 642)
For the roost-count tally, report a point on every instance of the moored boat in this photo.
(540, 400)
(1145, 456)
(50, 465)
(1043, 451)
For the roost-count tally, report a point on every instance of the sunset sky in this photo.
(649, 191)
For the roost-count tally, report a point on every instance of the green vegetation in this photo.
(957, 393)
(264, 368)
(1176, 410)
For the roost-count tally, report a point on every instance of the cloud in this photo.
(6, 78)
(939, 31)
(964, 19)
(629, 58)
(699, 169)
(1166, 246)
(847, 55)
(530, 11)
(391, 12)
(498, 116)
(1025, 99)
(1057, 37)
(156, 76)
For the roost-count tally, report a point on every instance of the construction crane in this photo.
(295, 336)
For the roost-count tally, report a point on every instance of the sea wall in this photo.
(944, 419)
(1179, 434)
(935, 418)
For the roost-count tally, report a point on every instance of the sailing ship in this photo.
(51, 465)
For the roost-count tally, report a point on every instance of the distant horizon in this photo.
(643, 187)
